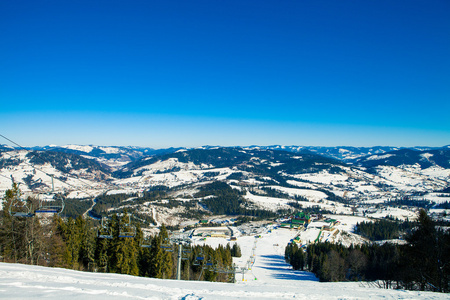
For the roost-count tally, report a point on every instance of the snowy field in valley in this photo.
(269, 278)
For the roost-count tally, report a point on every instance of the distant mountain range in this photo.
(326, 176)
(117, 156)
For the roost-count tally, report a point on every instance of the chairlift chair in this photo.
(127, 230)
(199, 259)
(20, 208)
(104, 232)
(209, 265)
(51, 203)
(167, 245)
(145, 243)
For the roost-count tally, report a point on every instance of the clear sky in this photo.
(225, 72)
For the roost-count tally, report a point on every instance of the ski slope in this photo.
(269, 278)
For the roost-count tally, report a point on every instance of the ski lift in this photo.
(250, 262)
(20, 208)
(209, 265)
(145, 244)
(199, 259)
(51, 203)
(104, 232)
(127, 230)
(185, 254)
(167, 246)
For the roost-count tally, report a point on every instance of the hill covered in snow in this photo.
(252, 191)
(271, 180)
(33, 282)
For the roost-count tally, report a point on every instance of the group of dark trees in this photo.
(407, 201)
(225, 200)
(378, 230)
(66, 162)
(271, 192)
(75, 244)
(422, 263)
(295, 256)
(105, 202)
(444, 205)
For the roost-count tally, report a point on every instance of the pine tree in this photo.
(56, 244)
(425, 255)
(123, 251)
(161, 261)
(357, 263)
(333, 268)
(87, 245)
(236, 250)
(20, 237)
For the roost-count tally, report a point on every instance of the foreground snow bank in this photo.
(34, 282)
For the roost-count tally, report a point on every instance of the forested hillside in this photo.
(85, 244)
(420, 264)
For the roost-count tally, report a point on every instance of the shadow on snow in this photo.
(282, 270)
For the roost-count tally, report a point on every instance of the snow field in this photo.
(269, 278)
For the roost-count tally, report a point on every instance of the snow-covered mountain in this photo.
(117, 156)
(403, 169)
(113, 156)
(345, 153)
(33, 171)
(423, 158)
(272, 178)
(218, 184)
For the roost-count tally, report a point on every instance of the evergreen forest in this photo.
(422, 263)
(84, 244)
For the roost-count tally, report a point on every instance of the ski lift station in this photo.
(223, 232)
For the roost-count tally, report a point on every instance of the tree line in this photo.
(422, 263)
(378, 230)
(75, 244)
(228, 201)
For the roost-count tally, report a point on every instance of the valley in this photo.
(179, 187)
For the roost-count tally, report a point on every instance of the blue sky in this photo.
(192, 73)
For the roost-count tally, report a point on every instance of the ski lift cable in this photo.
(44, 160)
(5, 177)
(50, 175)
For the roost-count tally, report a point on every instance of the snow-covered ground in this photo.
(269, 203)
(269, 278)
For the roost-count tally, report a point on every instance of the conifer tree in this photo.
(101, 254)
(161, 261)
(236, 250)
(20, 237)
(56, 244)
(87, 245)
(426, 255)
(123, 251)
